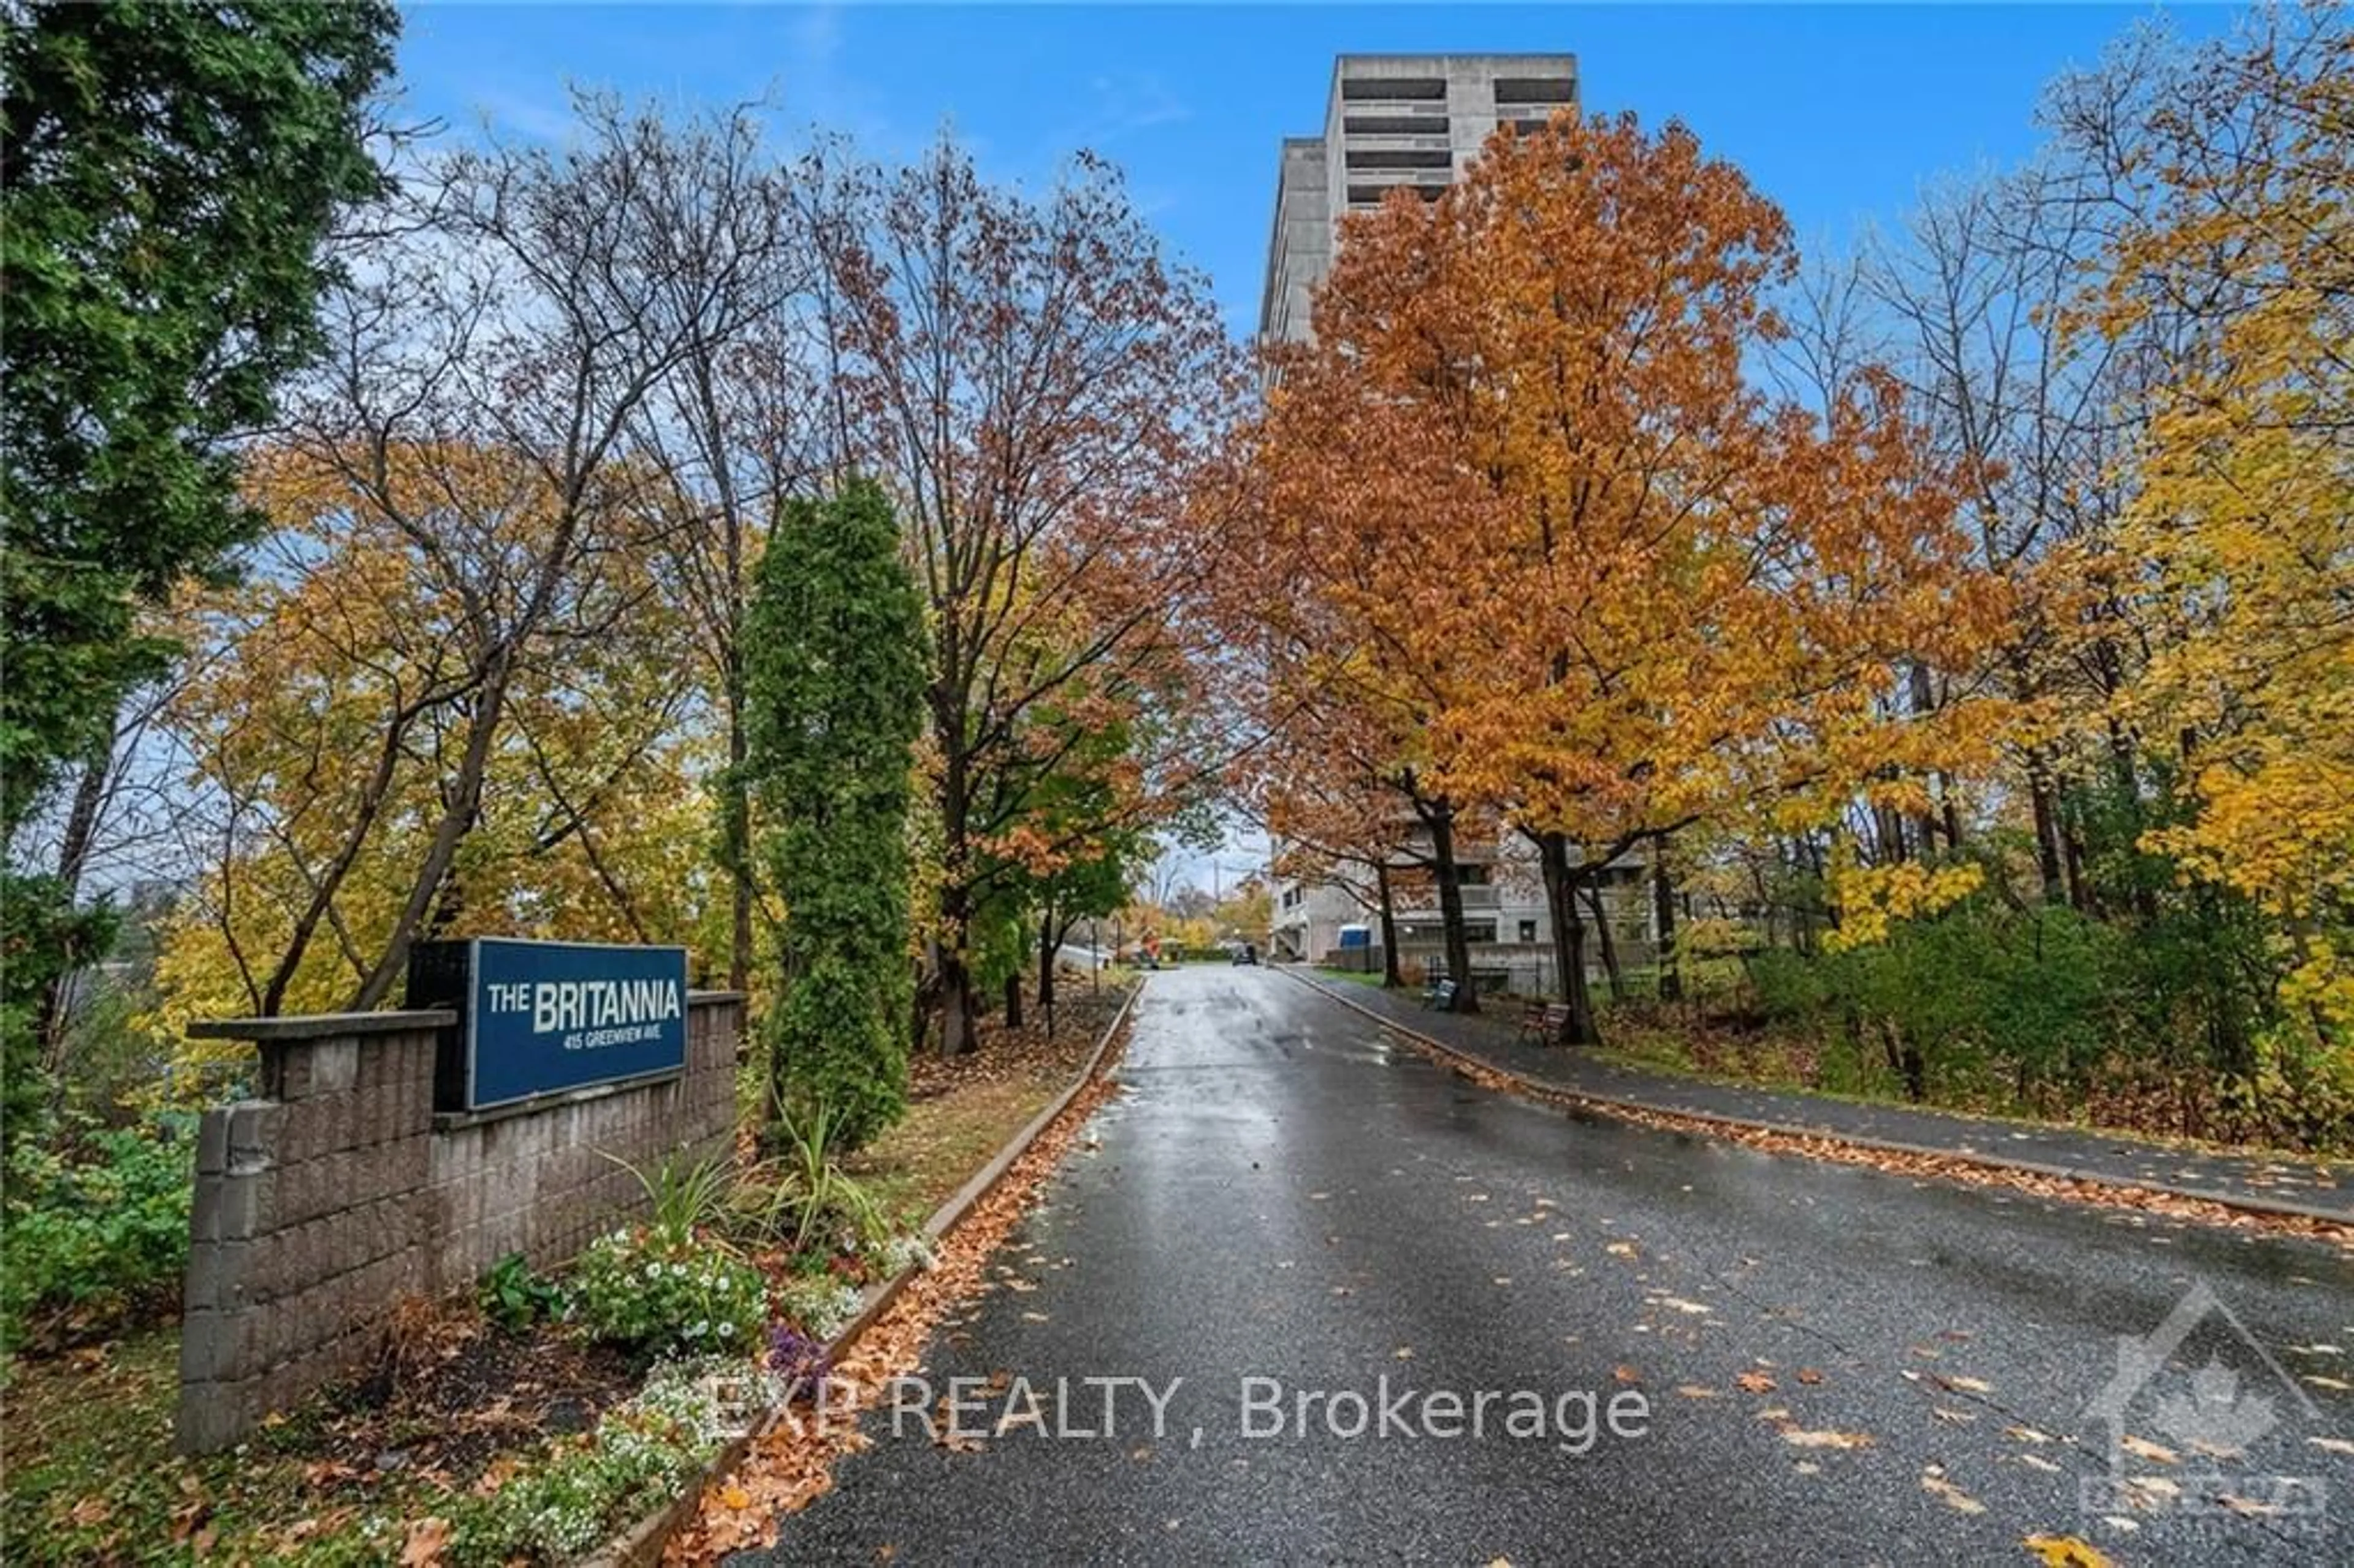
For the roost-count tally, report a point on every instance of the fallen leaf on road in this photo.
(2246, 1505)
(1967, 1385)
(1809, 1376)
(1626, 1373)
(1808, 1467)
(1033, 1316)
(2317, 1380)
(1682, 1306)
(2143, 1448)
(1933, 1482)
(2026, 1434)
(1755, 1383)
(2332, 1445)
(1947, 1413)
(1403, 1352)
(1620, 1249)
(2037, 1462)
(1826, 1439)
(1695, 1390)
(2066, 1552)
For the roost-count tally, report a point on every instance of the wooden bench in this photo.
(1547, 1023)
(1440, 994)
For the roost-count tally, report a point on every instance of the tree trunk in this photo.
(2046, 811)
(1568, 937)
(1583, 1029)
(1663, 914)
(735, 836)
(1923, 703)
(1441, 818)
(950, 714)
(1391, 979)
(457, 820)
(1046, 945)
(73, 859)
(1013, 1000)
(1610, 945)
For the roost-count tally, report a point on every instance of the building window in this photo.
(1479, 931)
(1527, 930)
(1473, 876)
(1536, 90)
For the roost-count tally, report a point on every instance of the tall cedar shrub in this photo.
(835, 670)
(170, 175)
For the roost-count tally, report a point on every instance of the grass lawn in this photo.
(961, 1111)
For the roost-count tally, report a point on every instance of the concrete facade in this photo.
(1415, 121)
(341, 1190)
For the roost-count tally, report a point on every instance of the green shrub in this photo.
(97, 1224)
(514, 1297)
(804, 1195)
(663, 1294)
(1790, 986)
(643, 1452)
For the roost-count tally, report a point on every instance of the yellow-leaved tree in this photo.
(2243, 517)
(331, 692)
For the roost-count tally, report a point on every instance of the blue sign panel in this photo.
(539, 1017)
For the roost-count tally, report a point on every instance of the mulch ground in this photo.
(792, 1463)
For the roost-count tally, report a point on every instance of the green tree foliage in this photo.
(171, 171)
(835, 677)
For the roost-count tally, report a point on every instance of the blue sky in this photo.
(1838, 112)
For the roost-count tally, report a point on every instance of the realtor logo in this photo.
(2204, 1384)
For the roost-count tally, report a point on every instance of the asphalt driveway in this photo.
(1285, 1227)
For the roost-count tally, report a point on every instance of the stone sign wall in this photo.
(340, 1192)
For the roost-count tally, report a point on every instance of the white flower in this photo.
(726, 1330)
(695, 1330)
(653, 1271)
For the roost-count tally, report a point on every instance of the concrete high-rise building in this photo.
(1418, 121)
(1415, 121)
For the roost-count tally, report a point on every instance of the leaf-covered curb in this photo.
(1855, 1148)
(640, 1545)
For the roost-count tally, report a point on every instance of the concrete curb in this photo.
(640, 1545)
(1633, 1112)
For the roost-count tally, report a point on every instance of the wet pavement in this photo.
(1304, 1224)
(2306, 1186)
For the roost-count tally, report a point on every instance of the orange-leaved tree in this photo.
(1636, 591)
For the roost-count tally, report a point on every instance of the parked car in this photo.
(1247, 953)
